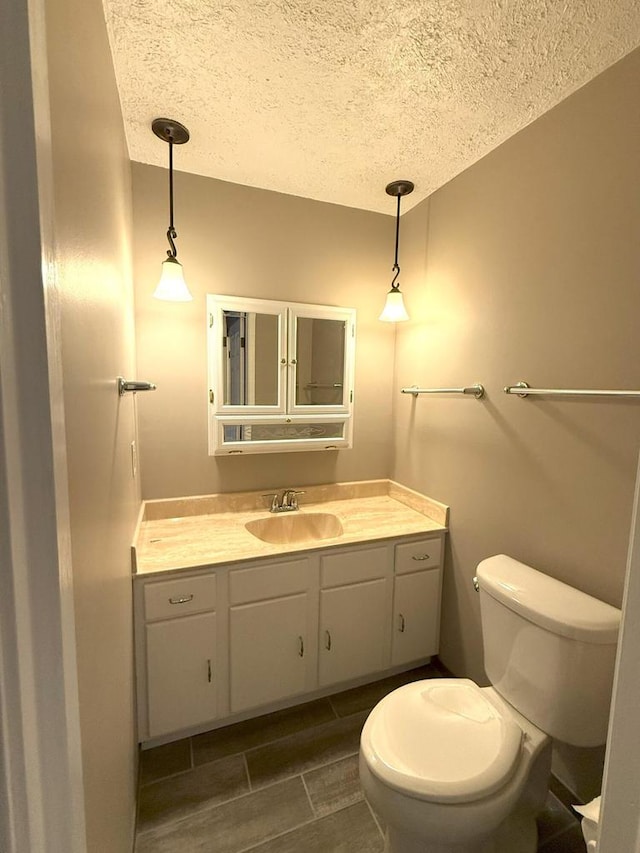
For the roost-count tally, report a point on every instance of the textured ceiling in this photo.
(332, 99)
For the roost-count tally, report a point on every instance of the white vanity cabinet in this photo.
(416, 600)
(271, 619)
(355, 601)
(220, 644)
(180, 642)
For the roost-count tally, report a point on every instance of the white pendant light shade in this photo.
(394, 310)
(172, 287)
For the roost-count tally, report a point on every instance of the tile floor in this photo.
(283, 783)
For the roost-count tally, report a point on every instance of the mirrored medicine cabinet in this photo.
(280, 376)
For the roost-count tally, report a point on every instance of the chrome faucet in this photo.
(290, 499)
(286, 502)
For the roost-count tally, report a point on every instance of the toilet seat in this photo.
(442, 740)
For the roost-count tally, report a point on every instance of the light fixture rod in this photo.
(171, 231)
(398, 189)
(173, 133)
(171, 184)
(395, 264)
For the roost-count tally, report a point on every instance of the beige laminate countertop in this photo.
(193, 541)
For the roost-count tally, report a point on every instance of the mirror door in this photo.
(320, 353)
(248, 350)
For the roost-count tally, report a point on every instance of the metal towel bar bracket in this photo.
(132, 385)
(522, 389)
(476, 390)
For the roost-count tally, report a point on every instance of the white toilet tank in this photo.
(549, 649)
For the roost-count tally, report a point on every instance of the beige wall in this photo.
(93, 227)
(239, 241)
(531, 272)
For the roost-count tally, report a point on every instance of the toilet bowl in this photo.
(451, 768)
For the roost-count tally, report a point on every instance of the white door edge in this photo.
(41, 794)
(620, 811)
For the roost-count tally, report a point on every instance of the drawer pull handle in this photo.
(401, 623)
(209, 670)
(301, 647)
(420, 557)
(327, 641)
(181, 599)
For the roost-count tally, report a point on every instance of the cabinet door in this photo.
(247, 353)
(181, 682)
(416, 616)
(321, 342)
(268, 651)
(353, 635)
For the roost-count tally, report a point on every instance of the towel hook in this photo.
(133, 385)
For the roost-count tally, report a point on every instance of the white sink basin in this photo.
(293, 528)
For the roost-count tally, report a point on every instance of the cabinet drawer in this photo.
(262, 582)
(354, 566)
(414, 556)
(166, 599)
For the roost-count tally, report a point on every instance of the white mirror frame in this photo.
(285, 411)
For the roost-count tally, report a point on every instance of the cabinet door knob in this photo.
(209, 674)
(327, 641)
(301, 647)
(294, 361)
(420, 557)
(181, 599)
(401, 623)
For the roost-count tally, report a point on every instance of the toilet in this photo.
(451, 767)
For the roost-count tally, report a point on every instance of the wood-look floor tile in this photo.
(236, 825)
(171, 799)
(553, 819)
(165, 760)
(305, 750)
(260, 730)
(365, 697)
(351, 830)
(569, 841)
(335, 786)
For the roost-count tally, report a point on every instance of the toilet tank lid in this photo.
(548, 602)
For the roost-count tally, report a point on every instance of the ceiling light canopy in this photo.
(394, 310)
(172, 286)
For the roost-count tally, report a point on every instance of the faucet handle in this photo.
(274, 501)
(293, 498)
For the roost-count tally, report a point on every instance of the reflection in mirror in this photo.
(320, 361)
(250, 353)
(281, 432)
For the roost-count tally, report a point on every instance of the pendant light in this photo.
(172, 286)
(394, 310)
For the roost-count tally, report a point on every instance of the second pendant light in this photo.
(394, 310)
